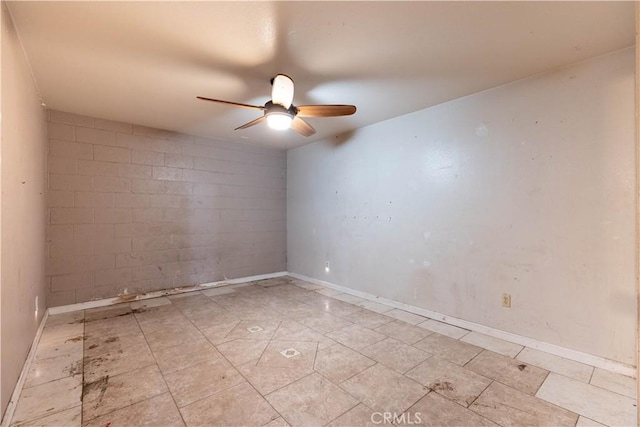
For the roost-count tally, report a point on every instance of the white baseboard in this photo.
(567, 353)
(17, 390)
(162, 293)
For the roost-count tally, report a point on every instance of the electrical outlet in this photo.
(506, 300)
(326, 266)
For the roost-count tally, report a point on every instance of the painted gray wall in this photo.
(23, 151)
(526, 189)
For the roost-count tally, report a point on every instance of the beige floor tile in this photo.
(323, 322)
(455, 382)
(115, 392)
(308, 286)
(328, 292)
(496, 345)
(311, 401)
(255, 329)
(511, 372)
(586, 422)
(59, 347)
(171, 359)
(383, 389)
(375, 306)
(71, 317)
(356, 337)
(67, 418)
(289, 354)
(241, 351)
(199, 381)
(288, 327)
(44, 370)
(65, 331)
(339, 363)
(148, 303)
(593, 402)
(114, 358)
(49, 398)
(395, 354)
(615, 382)
(157, 411)
(509, 407)
(278, 422)
(351, 299)
(107, 312)
(217, 334)
(447, 348)
(307, 334)
(267, 379)
(403, 331)
(360, 416)
(368, 319)
(172, 335)
(434, 410)
(568, 368)
(222, 290)
(405, 316)
(444, 329)
(239, 405)
(341, 308)
(120, 325)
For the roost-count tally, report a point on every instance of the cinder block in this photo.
(147, 157)
(93, 231)
(178, 161)
(112, 216)
(146, 215)
(135, 171)
(164, 201)
(112, 246)
(154, 243)
(165, 173)
(61, 131)
(56, 299)
(59, 233)
(72, 281)
(148, 186)
(161, 133)
(113, 126)
(71, 215)
(63, 165)
(114, 276)
(95, 136)
(60, 199)
(111, 184)
(94, 200)
(70, 118)
(178, 187)
(68, 149)
(147, 272)
(93, 168)
(131, 200)
(112, 154)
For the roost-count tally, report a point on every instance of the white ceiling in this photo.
(145, 62)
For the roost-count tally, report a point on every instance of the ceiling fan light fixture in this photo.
(279, 121)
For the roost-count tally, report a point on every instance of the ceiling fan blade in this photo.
(235, 104)
(325, 110)
(282, 90)
(302, 127)
(252, 123)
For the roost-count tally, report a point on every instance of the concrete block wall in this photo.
(133, 209)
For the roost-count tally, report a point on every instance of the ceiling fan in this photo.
(280, 113)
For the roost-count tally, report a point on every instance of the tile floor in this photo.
(284, 352)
